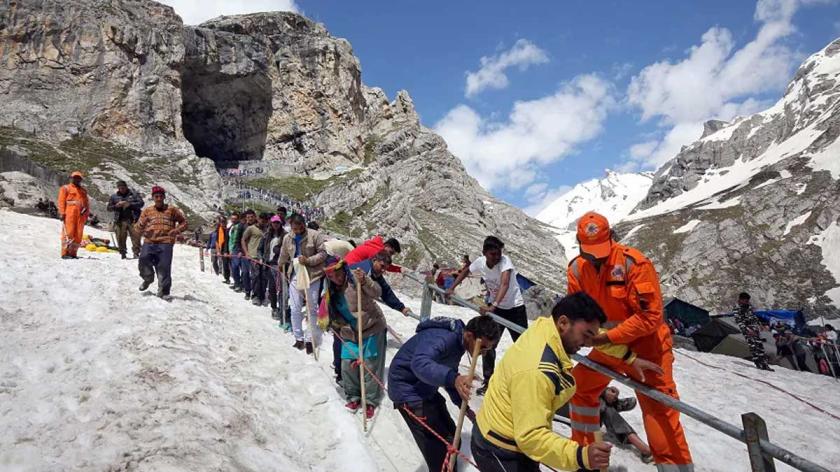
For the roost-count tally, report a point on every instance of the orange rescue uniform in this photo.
(627, 288)
(73, 206)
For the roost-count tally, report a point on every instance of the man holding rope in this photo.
(428, 361)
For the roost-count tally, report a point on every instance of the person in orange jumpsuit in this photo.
(73, 209)
(625, 284)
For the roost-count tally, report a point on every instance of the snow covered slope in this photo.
(96, 376)
(614, 196)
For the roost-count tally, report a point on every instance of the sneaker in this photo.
(370, 412)
(275, 314)
(67, 257)
(309, 347)
(298, 345)
(226, 281)
(256, 302)
(122, 256)
(247, 296)
(145, 285)
(481, 390)
(353, 406)
(238, 289)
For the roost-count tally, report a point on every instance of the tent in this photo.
(710, 335)
(793, 318)
(524, 282)
(688, 314)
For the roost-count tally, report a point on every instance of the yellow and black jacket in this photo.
(531, 382)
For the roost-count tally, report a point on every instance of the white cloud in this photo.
(194, 12)
(540, 197)
(715, 81)
(509, 153)
(491, 75)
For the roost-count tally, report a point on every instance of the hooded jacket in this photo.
(427, 361)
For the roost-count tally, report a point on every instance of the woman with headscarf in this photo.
(339, 310)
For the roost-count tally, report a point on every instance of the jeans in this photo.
(157, 259)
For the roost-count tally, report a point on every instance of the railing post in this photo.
(426, 303)
(201, 258)
(754, 430)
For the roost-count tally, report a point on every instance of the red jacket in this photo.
(366, 251)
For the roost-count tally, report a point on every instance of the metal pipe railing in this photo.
(726, 428)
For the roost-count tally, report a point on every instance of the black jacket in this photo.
(131, 212)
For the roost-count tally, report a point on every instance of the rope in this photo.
(776, 387)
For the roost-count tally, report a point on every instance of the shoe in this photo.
(161, 293)
(145, 285)
(309, 347)
(338, 379)
(67, 257)
(370, 412)
(275, 314)
(353, 406)
(266, 303)
(298, 345)
(646, 458)
(238, 289)
(226, 282)
(481, 390)
(256, 302)
(122, 256)
(247, 296)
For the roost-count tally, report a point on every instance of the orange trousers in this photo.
(662, 424)
(74, 228)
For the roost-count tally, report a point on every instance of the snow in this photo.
(614, 196)
(795, 222)
(718, 205)
(737, 175)
(828, 159)
(633, 231)
(96, 376)
(688, 227)
(568, 240)
(829, 242)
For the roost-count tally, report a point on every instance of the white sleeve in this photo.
(505, 265)
(476, 266)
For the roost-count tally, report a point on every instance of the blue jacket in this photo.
(389, 298)
(427, 361)
(211, 243)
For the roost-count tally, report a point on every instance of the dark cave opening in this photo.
(225, 117)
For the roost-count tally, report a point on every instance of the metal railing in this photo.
(761, 451)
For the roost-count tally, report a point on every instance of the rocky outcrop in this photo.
(271, 87)
(758, 193)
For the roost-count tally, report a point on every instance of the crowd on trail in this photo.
(245, 192)
(321, 288)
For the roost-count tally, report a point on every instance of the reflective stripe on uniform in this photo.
(674, 467)
(584, 410)
(585, 427)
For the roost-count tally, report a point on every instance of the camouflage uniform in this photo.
(751, 329)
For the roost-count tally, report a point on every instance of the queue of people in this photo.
(613, 303)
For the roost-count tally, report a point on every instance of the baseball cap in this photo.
(594, 235)
(77, 174)
(276, 218)
(158, 189)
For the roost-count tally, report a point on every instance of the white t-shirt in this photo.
(493, 280)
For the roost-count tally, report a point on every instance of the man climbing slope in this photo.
(73, 209)
(625, 284)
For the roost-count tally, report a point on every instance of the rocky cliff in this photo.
(752, 205)
(122, 89)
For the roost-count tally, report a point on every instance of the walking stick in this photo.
(456, 441)
(599, 437)
(359, 317)
(201, 258)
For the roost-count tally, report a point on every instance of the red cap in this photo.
(594, 235)
(158, 189)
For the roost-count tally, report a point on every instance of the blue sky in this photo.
(568, 89)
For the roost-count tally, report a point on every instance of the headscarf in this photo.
(328, 311)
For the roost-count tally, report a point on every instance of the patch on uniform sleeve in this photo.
(646, 293)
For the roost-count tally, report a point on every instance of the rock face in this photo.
(760, 195)
(271, 87)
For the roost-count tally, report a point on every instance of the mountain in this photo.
(614, 196)
(122, 89)
(752, 205)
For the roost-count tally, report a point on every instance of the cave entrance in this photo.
(225, 117)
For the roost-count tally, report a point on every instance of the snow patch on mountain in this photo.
(614, 196)
(795, 222)
(829, 242)
(686, 228)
